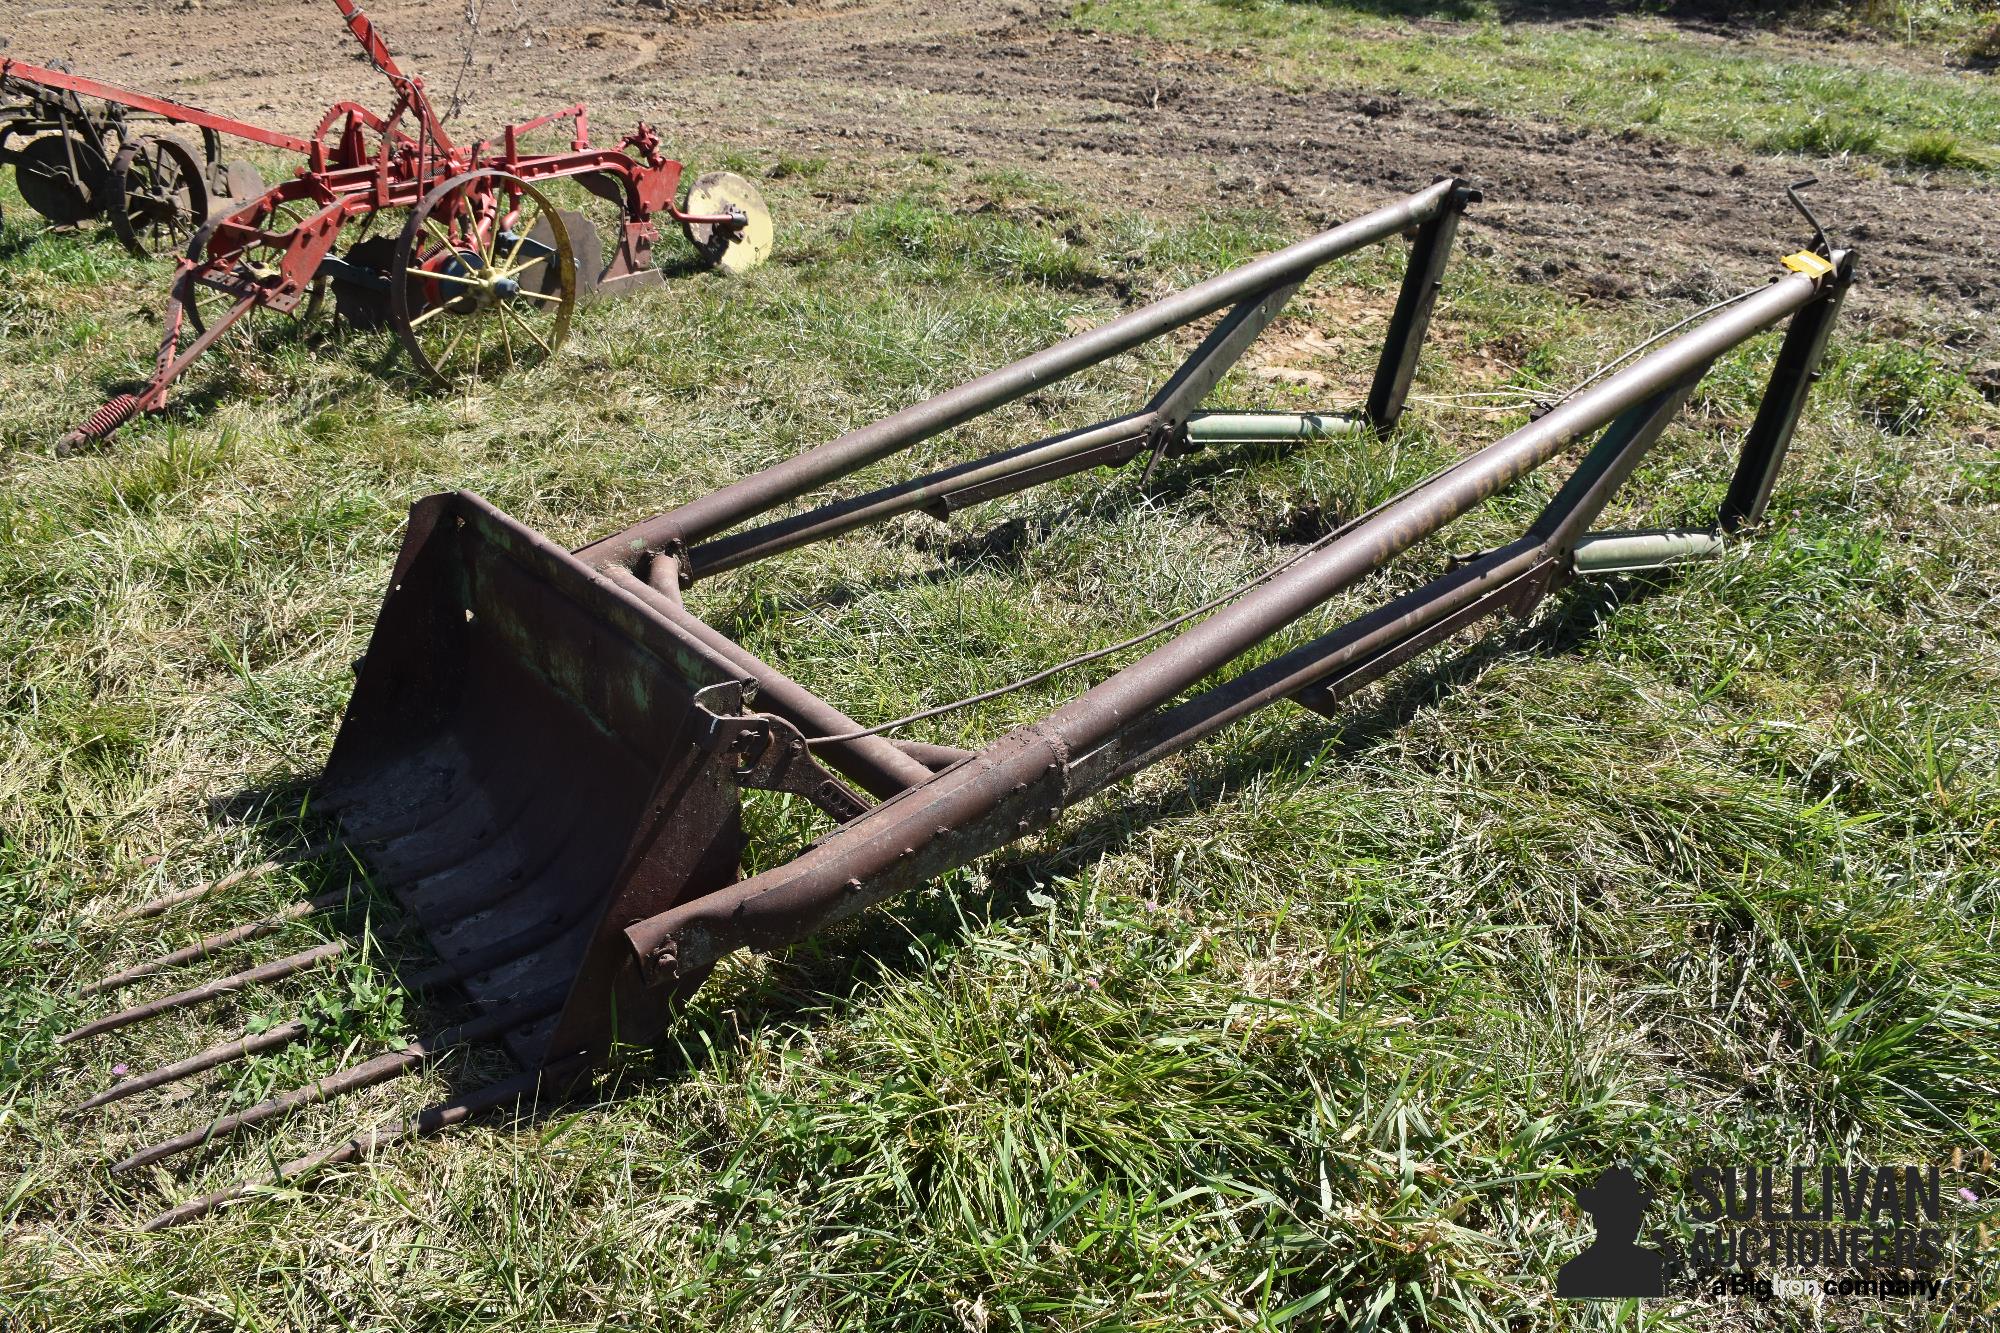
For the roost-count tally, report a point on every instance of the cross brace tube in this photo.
(723, 509)
(1023, 781)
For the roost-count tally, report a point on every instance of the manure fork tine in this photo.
(292, 911)
(248, 1044)
(229, 881)
(221, 940)
(424, 826)
(444, 1115)
(377, 1069)
(209, 990)
(437, 900)
(222, 1053)
(469, 962)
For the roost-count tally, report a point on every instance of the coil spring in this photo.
(104, 420)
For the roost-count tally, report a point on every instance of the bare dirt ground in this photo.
(1007, 83)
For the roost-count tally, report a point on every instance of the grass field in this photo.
(1316, 1025)
(1781, 91)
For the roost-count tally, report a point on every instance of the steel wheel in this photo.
(157, 198)
(262, 328)
(42, 172)
(472, 291)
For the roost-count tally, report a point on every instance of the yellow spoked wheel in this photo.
(484, 278)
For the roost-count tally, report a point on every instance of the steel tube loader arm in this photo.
(1024, 780)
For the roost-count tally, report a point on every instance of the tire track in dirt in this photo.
(1007, 83)
(1604, 216)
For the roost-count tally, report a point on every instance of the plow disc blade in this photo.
(63, 177)
(238, 179)
(586, 249)
(523, 766)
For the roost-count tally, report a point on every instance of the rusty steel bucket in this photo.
(545, 750)
(525, 763)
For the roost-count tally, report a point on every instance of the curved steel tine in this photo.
(221, 940)
(209, 990)
(380, 831)
(254, 1043)
(469, 930)
(378, 1069)
(222, 1053)
(447, 846)
(443, 896)
(556, 1074)
(229, 881)
(161, 905)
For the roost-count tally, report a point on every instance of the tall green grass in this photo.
(1313, 1026)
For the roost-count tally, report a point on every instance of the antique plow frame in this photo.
(106, 157)
(481, 271)
(543, 756)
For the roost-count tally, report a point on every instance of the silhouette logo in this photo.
(1615, 1265)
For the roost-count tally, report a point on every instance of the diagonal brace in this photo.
(1607, 466)
(1792, 378)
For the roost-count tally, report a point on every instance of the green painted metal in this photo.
(1240, 427)
(1633, 552)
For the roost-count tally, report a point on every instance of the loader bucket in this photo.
(530, 765)
(544, 751)
(523, 766)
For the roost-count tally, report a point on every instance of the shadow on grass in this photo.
(20, 243)
(1004, 545)
(816, 981)
(25, 240)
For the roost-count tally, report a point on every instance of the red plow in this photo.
(82, 149)
(483, 270)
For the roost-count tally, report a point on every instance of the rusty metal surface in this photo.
(523, 767)
(543, 758)
(554, 1079)
(732, 504)
(209, 991)
(1017, 784)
